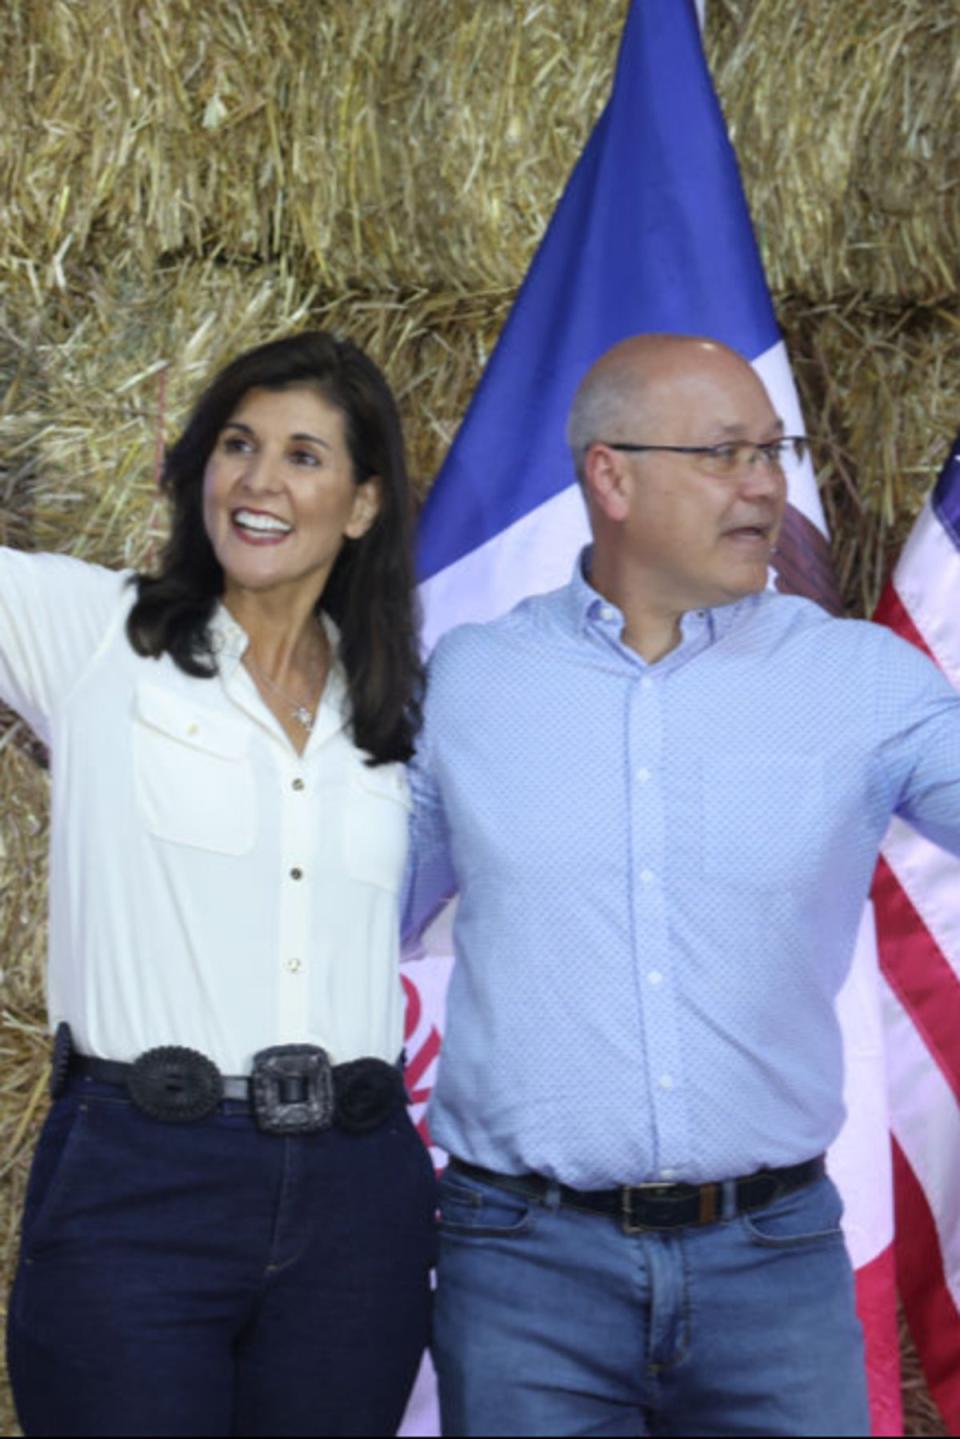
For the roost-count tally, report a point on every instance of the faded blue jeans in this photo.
(551, 1321)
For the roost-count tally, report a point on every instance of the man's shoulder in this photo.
(489, 640)
(792, 617)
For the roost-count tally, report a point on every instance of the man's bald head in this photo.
(617, 396)
(677, 446)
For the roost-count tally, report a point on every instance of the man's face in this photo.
(694, 537)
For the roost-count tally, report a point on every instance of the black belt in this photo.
(293, 1088)
(657, 1206)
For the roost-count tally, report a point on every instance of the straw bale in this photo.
(367, 138)
(110, 370)
(397, 143)
(846, 120)
(920, 1414)
(98, 364)
(879, 390)
(23, 1035)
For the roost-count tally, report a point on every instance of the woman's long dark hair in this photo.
(370, 591)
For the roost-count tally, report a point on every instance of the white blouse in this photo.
(208, 886)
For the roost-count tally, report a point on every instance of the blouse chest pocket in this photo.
(375, 825)
(193, 780)
(763, 819)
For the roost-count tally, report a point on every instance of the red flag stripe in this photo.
(931, 1311)
(891, 611)
(916, 970)
(877, 1308)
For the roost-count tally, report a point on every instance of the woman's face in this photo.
(279, 496)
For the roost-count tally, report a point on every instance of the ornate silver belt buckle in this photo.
(292, 1087)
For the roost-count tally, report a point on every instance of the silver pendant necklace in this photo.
(302, 713)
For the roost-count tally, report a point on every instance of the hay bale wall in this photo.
(179, 181)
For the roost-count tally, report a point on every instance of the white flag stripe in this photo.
(927, 579)
(859, 1159)
(533, 555)
(931, 878)
(923, 1108)
(773, 367)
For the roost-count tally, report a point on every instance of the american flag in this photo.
(917, 900)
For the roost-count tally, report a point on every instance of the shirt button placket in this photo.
(651, 919)
(293, 1015)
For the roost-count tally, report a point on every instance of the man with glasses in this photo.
(660, 793)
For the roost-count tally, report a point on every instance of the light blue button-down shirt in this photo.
(661, 871)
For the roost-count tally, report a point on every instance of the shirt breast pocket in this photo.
(763, 817)
(375, 825)
(193, 780)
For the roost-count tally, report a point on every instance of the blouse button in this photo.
(296, 873)
(298, 784)
(294, 965)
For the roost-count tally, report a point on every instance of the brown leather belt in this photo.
(640, 1207)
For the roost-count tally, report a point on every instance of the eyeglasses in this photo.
(725, 460)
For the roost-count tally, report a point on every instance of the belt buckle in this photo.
(292, 1086)
(627, 1191)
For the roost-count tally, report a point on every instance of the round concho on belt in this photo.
(367, 1092)
(174, 1084)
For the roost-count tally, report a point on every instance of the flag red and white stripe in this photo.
(917, 901)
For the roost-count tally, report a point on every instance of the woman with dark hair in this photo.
(229, 1221)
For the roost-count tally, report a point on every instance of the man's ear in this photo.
(607, 482)
(366, 507)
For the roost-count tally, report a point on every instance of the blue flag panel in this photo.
(652, 233)
(946, 496)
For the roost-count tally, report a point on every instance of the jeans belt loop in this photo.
(728, 1208)
(552, 1197)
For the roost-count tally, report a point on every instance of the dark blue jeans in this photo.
(207, 1279)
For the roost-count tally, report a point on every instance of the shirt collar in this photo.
(229, 641)
(228, 638)
(587, 607)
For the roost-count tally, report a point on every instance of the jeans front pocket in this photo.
(54, 1157)
(810, 1215)
(470, 1208)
